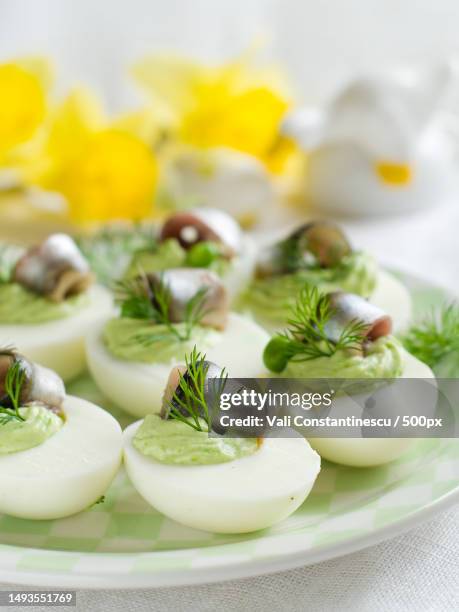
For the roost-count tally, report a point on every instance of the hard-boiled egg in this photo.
(59, 344)
(138, 387)
(394, 298)
(66, 473)
(366, 452)
(240, 269)
(242, 495)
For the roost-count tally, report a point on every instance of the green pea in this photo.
(202, 254)
(275, 355)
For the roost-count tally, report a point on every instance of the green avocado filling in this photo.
(18, 305)
(169, 254)
(383, 359)
(176, 443)
(140, 340)
(39, 425)
(272, 298)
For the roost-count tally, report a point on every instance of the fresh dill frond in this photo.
(14, 381)
(195, 311)
(306, 335)
(190, 401)
(436, 336)
(307, 327)
(110, 250)
(291, 257)
(135, 299)
(139, 300)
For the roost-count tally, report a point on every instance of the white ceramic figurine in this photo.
(382, 145)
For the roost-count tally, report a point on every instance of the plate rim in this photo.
(218, 573)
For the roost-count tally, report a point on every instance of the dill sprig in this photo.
(306, 335)
(190, 401)
(138, 301)
(110, 250)
(290, 254)
(307, 327)
(14, 380)
(436, 336)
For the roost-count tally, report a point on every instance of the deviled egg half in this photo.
(339, 336)
(58, 453)
(162, 317)
(47, 304)
(201, 238)
(209, 481)
(319, 254)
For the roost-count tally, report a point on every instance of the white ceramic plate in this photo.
(123, 543)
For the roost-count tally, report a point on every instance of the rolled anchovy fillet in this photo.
(316, 243)
(212, 386)
(55, 269)
(324, 240)
(183, 285)
(204, 224)
(40, 384)
(347, 308)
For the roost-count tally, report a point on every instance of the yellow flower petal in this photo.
(62, 138)
(247, 122)
(113, 178)
(169, 80)
(72, 124)
(143, 124)
(235, 105)
(282, 154)
(22, 105)
(39, 66)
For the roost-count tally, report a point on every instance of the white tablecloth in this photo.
(418, 571)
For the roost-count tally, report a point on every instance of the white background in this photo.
(321, 42)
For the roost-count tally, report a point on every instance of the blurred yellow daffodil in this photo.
(23, 87)
(235, 105)
(103, 170)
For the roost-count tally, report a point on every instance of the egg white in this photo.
(69, 471)
(367, 452)
(243, 495)
(59, 345)
(241, 268)
(138, 387)
(394, 298)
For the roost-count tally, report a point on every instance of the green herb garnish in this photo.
(306, 337)
(139, 300)
(292, 256)
(14, 381)
(110, 250)
(203, 254)
(435, 337)
(190, 401)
